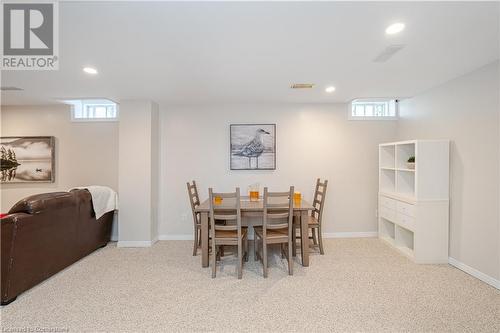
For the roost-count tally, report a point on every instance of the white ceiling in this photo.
(251, 52)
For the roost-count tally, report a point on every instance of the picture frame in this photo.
(252, 146)
(27, 159)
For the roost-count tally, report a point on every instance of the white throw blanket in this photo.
(104, 199)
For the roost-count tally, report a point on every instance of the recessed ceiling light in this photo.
(330, 89)
(395, 28)
(90, 70)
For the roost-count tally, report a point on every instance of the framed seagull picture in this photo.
(253, 146)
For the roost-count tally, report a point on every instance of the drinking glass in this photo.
(253, 191)
(297, 198)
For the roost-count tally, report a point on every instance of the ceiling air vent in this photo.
(388, 52)
(10, 89)
(302, 86)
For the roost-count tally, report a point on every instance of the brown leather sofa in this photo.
(46, 233)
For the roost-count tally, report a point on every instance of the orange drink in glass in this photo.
(297, 198)
(253, 192)
(254, 195)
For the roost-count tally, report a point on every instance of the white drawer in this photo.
(406, 209)
(406, 222)
(387, 202)
(387, 213)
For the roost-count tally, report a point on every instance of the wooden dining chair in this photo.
(314, 220)
(194, 200)
(277, 227)
(228, 210)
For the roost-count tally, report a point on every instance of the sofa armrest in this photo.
(8, 233)
(42, 243)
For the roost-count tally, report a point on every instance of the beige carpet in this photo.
(360, 285)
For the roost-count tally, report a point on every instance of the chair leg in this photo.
(300, 237)
(320, 236)
(294, 242)
(219, 250)
(214, 258)
(264, 255)
(315, 239)
(240, 259)
(195, 244)
(255, 248)
(290, 260)
(246, 248)
(199, 237)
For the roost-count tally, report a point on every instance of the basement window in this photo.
(93, 110)
(374, 109)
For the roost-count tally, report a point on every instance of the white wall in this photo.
(466, 111)
(312, 141)
(86, 152)
(138, 170)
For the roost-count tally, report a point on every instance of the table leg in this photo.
(305, 238)
(204, 239)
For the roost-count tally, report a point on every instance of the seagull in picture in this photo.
(254, 148)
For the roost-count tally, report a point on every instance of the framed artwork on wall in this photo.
(253, 146)
(27, 159)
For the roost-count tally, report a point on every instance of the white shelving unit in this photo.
(414, 202)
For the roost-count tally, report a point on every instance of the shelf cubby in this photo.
(387, 180)
(403, 237)
(403, 153)
(405, 183)
(387, 157)
(387, 230)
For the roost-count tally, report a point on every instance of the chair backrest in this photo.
(279, 209)
(319, 199)
(228, 210)
(194, 200)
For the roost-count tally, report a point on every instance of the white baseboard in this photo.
(137, 243)
(176, 237)
(360, 234)
(474, 272)
(134, 244)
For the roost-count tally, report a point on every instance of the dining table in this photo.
(250, 211)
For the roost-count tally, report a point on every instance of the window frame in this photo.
(367, 100)
(84, 103)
